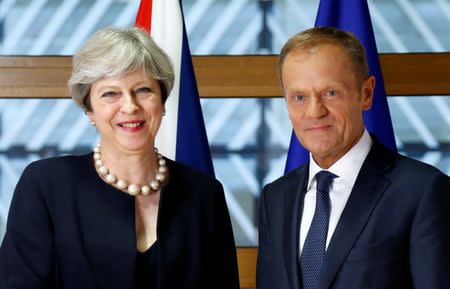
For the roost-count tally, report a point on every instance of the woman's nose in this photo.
(129, 104)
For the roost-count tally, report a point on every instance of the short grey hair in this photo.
(113, 52)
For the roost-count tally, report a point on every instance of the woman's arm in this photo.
(27, 248)
(225, 266)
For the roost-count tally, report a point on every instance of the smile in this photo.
(131, 125)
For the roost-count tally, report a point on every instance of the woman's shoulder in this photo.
(189, 172)
(198, 188)
(47, 177)
(182, 172)
(58, 165)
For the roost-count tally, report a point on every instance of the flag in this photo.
(353, 16)
(182, 135)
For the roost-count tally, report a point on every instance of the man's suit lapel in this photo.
(369, 186)
(106, 222)
(295, 188)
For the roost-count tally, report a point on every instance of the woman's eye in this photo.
(299, 97)
(109, 94)
(331, 92)
(143, 90)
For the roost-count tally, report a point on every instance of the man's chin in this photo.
(319, 144)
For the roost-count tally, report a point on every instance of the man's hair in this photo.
(314, 37)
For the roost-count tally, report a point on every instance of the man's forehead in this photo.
(312, 49)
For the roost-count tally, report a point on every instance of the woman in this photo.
(122, 216)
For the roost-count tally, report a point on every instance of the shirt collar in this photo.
(348, 166)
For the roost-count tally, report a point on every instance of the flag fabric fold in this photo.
(182, 135)
(353, 16)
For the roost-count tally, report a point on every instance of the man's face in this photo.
(324, 100)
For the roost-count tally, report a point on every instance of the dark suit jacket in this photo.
(394, 231)
(68, 229)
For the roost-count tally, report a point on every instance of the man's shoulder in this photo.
(399, 166)
(397, 161)
(405, 164)
(286, 182)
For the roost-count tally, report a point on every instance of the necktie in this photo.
(313, 254)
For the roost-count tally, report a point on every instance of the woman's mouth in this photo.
(131, 125)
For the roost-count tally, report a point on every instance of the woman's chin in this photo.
(138, 148)
(135, 147)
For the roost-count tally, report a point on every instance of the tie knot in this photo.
(324, 179)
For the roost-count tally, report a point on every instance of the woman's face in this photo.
(127, 111)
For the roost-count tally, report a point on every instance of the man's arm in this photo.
(270, 269)
(263, 267)
(430, 236)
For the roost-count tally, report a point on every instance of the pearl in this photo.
(103, 170)
(145, 190)
(110, 178)
(160, 177)
(154, 185)
(121, 184)
(131, 189)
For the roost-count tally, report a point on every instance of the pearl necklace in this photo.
(132, 189)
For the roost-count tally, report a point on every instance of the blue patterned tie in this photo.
(313, 254)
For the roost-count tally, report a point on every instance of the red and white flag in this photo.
(182, 135)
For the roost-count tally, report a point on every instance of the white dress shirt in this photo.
(347, 169)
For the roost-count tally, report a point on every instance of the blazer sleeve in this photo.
(224, 271)
(430, 236)
(269, 267)
(27, 249)
(263, 261)
(2, 271)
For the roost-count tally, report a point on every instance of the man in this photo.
(357, 215)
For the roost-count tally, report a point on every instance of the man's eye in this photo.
(299, 97)
(331, 92)
(109, 94)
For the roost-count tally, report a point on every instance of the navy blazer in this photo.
(69, 229)
(394, 231)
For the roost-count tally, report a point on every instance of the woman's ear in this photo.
(91, 117)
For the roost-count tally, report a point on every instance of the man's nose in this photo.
(315, 107)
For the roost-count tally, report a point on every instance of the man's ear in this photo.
(367, 90)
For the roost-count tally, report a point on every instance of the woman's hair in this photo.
(314, 37)
(114, 52)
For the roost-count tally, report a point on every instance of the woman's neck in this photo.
(133, 167)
